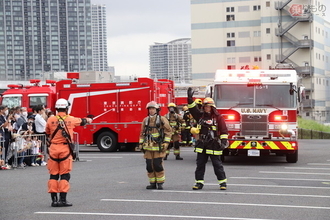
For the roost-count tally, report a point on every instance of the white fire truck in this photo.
(260, 110)
(118, 108)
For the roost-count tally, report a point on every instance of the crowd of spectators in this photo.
(22, 135)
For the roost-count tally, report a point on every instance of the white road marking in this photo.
(298, 173)
(216, 203)
(319, 164)
(239, 193)
(145, 215)
(307, 168)
(272, 178)
(275, 186)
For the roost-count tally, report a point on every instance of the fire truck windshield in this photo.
(243, 96)
(12, 101)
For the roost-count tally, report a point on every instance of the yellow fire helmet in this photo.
(152, 104)
(208, 101)
(194, 130)
(185, 108)
(172, 105)
(198, 101)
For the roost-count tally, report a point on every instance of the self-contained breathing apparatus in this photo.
(149, 138)
(209, 137)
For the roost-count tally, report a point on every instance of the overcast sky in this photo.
(133, 25)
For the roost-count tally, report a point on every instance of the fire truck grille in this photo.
(254, 125)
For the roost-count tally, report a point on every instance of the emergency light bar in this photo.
(253, 82)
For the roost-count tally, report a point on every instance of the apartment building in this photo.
(171, 60)
(230, 34)
(41, 37)
(99, 34)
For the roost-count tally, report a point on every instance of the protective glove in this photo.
(164, 146)
(224, 143)
(190, 94)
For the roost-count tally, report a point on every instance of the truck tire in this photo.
(107, 142)
(292, 158)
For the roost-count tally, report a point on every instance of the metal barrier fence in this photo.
(311, 134)
(30, 150)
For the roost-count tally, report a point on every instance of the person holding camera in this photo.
(213, 137)
(59, 130)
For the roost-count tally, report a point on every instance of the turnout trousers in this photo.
(59, 170)
(201, 161)
(155, 168)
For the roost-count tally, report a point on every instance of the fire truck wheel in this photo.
(292, 158)
(107, 142)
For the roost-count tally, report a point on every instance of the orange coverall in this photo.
(59, 149)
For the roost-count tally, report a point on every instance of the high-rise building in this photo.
(235, 33)
(171, 60)
(99, 31)
(40, 37)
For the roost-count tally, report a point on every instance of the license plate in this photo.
(253, 153)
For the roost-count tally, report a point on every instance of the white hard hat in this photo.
(62, 103)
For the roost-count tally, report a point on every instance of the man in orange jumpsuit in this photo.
(60, 157)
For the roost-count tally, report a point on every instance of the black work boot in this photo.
(63, 202)
(151, 186)
(198, 186)
(54, 200)
(165, 158)
(160, 186)
(223, 186)
(178, 157)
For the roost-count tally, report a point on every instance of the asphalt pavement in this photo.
(112, 186)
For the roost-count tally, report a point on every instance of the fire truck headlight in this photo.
(284, 127)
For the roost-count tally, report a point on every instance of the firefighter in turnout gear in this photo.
(59, 130)
(213, 138)
(176, 122)
(155, 137)
(189, 120)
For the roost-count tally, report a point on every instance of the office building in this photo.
(230, 34)
(171, 60)
(41, 37)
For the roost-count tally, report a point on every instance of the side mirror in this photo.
(292, 89)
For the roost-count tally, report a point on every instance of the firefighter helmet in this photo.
(194, 130)
(62, 104)
(185, 108)
(172, 105)
(152, 104)
(198, 101)
(208, 102)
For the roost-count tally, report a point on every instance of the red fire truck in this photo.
(260, 109)
(118, 108)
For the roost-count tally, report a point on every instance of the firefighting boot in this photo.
(160, 186)
(198, 186)
(223, 186)
(54, 199)
(63, 202)
(178, 157)
(151, 186)
(165, 158)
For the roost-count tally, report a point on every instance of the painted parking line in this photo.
(239, 193)
(215, 203)
(144, 215)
